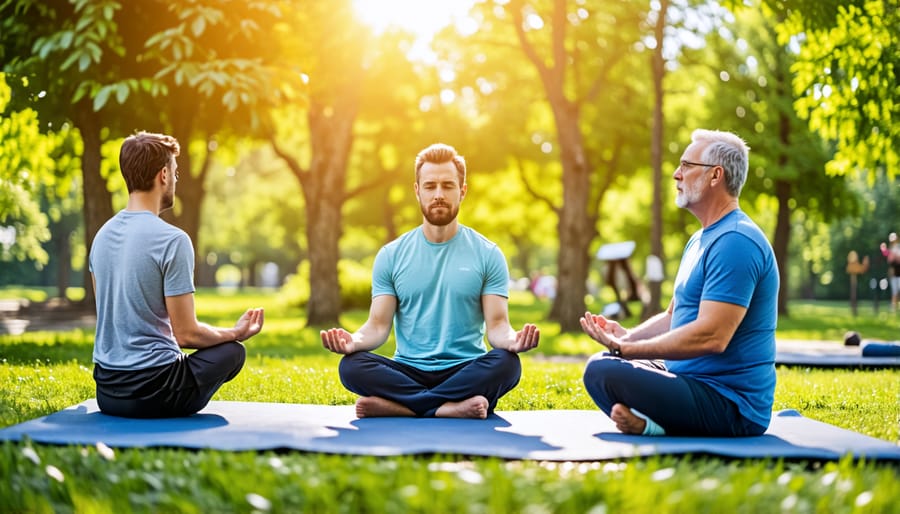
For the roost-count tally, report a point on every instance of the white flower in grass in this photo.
(470, 476)
(258, 502)
(829, 478)
(864, 498)
(29, 453)
(105, 451)
(662, 474)
(54, 473)
(788, 504)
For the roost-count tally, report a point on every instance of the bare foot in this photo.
(475, 407)
(376, 407)
(626, 421)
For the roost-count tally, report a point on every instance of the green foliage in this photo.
(847, 73)
(34, 168)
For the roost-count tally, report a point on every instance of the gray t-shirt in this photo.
(137, 260)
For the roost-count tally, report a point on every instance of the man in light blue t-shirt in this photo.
(717, 337)
(143, 274)
(443, 287)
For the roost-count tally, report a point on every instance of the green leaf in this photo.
(230, 100)
(83, 23)
(70, 60)
(65, 39)
(84, 61)
(102, 97)
(198, 26)
(122, 91)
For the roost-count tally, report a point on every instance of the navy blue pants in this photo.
(491, 375)
(681, 405)
(172, 390)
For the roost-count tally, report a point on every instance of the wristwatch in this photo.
(616, 352)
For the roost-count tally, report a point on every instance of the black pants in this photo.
(681, 405)
(174, 390)
(491, 375)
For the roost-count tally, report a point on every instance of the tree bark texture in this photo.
(97, 198)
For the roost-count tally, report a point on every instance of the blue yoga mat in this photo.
(558, 435)
(834, 354)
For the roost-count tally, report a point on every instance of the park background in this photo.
(299, 122)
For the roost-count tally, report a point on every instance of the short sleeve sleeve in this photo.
(496, 273)
(178, 267)
(382, 276)
(733, 269)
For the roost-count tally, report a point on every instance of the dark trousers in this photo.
(491, 375)
(681, 405)
(174, 390)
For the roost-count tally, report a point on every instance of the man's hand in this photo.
(338, 340)
(605, 331)
(249, 324)
(526, 339)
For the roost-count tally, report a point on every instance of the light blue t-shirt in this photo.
(439, 320)
(137, 260)
(732, 261)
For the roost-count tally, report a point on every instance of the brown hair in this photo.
(440, 153)
(143, 155)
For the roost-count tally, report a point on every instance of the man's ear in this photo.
(717, 173)
(163, 175)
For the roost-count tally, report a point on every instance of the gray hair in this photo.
(729, 151)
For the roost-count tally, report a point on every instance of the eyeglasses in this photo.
(688, 164)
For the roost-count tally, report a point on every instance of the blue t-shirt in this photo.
(732, 261)
(137, 260)
(439, 321)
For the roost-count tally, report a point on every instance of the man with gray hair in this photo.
(716, 341)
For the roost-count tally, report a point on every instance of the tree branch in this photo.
(531, 190)
(298, 170)
(530, 52)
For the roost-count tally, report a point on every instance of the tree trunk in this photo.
(658, 69)
(191, 187)
(64, 265)
(576, 226)
(324, 190)
(782, 239)
(783, 193)
(97, 198)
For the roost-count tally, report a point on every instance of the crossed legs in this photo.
(390, 388)
(680, 405)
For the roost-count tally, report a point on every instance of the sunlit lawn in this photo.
(44, 372)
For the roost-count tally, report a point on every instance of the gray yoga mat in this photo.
(557, 435)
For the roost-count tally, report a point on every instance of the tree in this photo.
(24, 166)
(223, 78)
(847, 77)
(55, 55)
(752, 79)
(352, 85)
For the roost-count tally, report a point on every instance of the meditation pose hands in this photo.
(704, 366)
(443, 289)
(338, 340)
(142, 270)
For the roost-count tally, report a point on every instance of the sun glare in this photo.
(424, 18)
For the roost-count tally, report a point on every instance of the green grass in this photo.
(44, 372)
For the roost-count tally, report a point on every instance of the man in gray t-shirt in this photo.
(142, 269)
